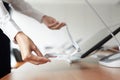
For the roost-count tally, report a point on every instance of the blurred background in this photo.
(81, 20)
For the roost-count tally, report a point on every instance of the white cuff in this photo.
(11, 29)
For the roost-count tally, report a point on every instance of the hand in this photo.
(52, 23)
(26, 47)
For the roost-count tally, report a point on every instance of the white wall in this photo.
(81, 21)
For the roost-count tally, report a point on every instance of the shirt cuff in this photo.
(11, 29)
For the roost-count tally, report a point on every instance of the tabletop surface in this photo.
(86, 69)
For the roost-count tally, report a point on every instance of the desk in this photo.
(87, 69)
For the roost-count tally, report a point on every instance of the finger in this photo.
(53, 24)
(37, 62)
(58, 26)
(37, 51)
(37, 59)
(62, 24)
(34, 62)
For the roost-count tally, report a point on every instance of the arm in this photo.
(7, 24)
(25, 8)
(25, 43)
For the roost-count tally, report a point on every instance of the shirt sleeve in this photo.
(9, 27)
(27, 9)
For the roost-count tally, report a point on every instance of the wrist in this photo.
(44, 18)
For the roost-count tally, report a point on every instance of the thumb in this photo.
(37, 51)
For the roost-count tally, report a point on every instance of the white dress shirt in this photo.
(6, 21)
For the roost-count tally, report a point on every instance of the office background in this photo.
(81, 20)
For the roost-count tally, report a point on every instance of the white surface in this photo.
(112, 61)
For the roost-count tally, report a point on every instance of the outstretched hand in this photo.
(52, 23)
(27, 46)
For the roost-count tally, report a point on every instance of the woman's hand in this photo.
(52, 23)
(27, 46)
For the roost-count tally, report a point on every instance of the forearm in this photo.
(8, 26)
(11, 29)
(25, 8)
